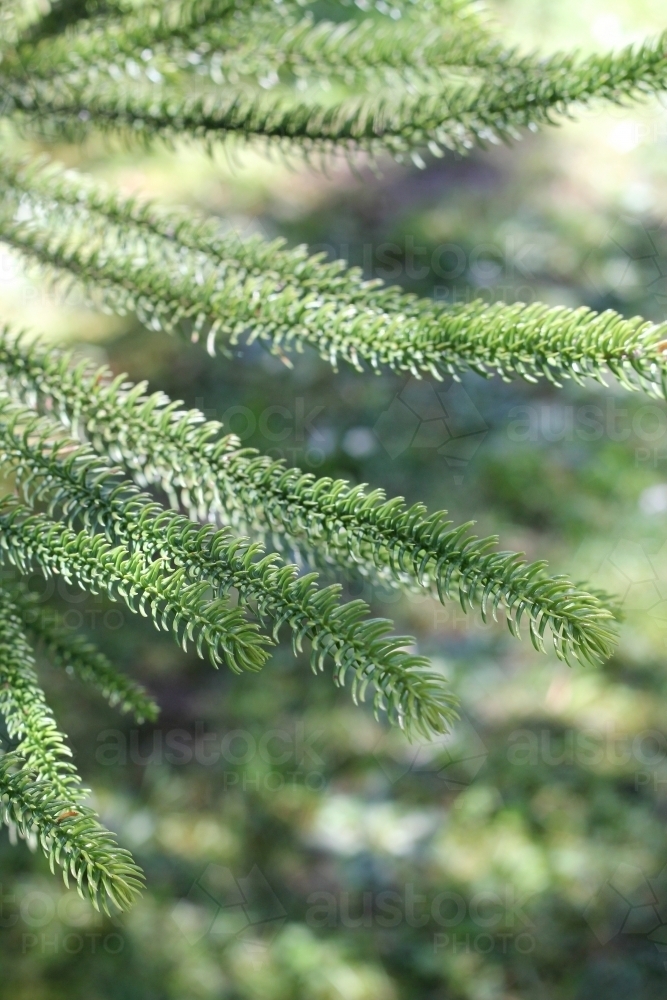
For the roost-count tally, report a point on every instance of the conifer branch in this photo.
(44, 793)
(53, 18)
(281, 74)
(175, 271)
(23, 706)
(533, 94)
(73, 839)
(76, 483)
(33, 540)
(78, 657)
(271, 44)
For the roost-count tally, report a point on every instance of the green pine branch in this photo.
(76, 484)
(45, 797)
(173, 270)
(30, 540)
(270, 44)
(533, 94)
(70, 838)
(53, 18)
(92, 36)
(211, 69)
(23, 706)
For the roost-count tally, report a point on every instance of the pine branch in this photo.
(271, 44)
(33, 540)
(531, 95)
(45, 796)
(328, 520)
(95, 32)
(70, 838)
(23, 707)
(97, 43)
(76, 483)
(78, 657)
(158, 15)
(174, 270)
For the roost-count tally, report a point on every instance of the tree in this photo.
(82, 447)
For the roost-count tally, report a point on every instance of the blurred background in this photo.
(295, 847)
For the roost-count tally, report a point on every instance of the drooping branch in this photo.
(40, 790)
(80, 487)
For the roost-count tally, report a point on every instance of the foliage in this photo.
(70, 436)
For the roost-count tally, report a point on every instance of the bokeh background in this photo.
(295, 847)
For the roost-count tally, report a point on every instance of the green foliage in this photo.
(71, 838)
(262, 42)
(327, 520)
(488, 94)
(75, 482)
(433, 77)
(145, 586)
(174, 271)
(24, 708)
(40, 791)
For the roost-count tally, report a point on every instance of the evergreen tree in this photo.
(218, 563)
